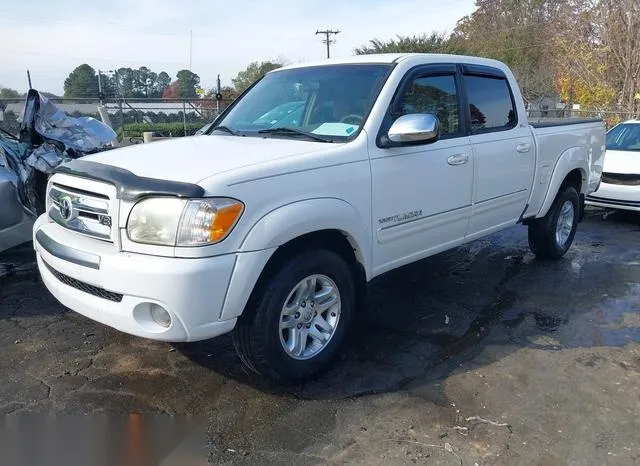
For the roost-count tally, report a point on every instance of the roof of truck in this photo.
(395, 58)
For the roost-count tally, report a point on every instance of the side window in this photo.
(436, 95)
(490, 103)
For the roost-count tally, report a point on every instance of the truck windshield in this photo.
(323, 103)
(624, 137)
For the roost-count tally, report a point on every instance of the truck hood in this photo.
(192, 159)
(622, 161)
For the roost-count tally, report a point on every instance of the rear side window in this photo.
(432, 94)
(490, 103)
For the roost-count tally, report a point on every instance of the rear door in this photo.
(503, 150)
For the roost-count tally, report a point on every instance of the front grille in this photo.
(85, 287)
(82, 211)
(627, 179)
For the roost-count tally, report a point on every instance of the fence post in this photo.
(121, 118)
(184, 117)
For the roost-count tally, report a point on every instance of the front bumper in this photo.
(116, 288)
(616, 196)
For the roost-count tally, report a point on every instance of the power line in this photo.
(328, 33)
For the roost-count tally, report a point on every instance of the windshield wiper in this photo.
(225, 129)
(294, 132)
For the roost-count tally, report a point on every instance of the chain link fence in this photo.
(610, 117)
(130, 118)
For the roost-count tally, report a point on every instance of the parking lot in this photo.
(481, 355)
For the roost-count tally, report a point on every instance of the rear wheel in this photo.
(297, 320)
(551, 236)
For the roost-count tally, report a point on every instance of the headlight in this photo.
(179, 222)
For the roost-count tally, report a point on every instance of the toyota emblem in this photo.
(66, 209)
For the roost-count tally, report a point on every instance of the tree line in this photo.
(85, 82)
(585, 51)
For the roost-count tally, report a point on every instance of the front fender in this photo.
(300, 218)
(571, 159)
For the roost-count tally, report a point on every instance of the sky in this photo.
(52, 38)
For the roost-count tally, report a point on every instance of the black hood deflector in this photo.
(130, 187)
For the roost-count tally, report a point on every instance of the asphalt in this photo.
(480, 355)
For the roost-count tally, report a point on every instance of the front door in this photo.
(421, 194)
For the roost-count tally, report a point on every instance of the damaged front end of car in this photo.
(47, 138)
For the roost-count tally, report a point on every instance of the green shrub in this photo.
(175, 129)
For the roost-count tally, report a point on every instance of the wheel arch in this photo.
(314, 216)
(333, 224)
(572, 169)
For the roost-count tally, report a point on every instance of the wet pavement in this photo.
(480, 355)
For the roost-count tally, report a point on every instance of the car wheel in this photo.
(551, 236)
(297, 320)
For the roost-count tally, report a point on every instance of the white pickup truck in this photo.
(316, 180)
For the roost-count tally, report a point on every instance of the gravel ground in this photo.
(481, 355)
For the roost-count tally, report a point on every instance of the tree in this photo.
(171, 92)
(82, 82)
(7, 93)
(209, 104)
(126, 80)
(621, 37)
(146, 80)
(253, 72)
(142, 82)
(519, 33)
(436, 42)
(162, 83)
(187, 83)
(582, 69)
(228, 93)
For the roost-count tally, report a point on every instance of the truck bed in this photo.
(583, 140)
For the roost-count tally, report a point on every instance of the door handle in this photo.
(458, 159)
(523, 148)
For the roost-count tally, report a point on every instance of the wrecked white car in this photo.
(47, 137)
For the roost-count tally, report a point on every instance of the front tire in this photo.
(551, 236)
(297, 320)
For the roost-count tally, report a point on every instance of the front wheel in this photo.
(297, 320)
(551, 236)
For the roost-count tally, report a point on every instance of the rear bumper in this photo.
(616, 197)
(116, 288)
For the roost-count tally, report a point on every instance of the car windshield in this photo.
(329, 103)
(624, 137)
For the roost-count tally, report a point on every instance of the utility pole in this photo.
(328, 33)
(190, 48)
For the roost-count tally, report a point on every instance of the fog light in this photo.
(160, 316)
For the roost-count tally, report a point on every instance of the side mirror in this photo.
(415, 128)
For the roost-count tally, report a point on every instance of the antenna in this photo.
(190, 48)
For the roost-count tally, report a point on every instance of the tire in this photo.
(271, 351)
(544, 241)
